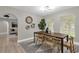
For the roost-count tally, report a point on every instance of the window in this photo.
(50, 25)
(68, 25)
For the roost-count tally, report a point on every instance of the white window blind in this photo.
(68, 25)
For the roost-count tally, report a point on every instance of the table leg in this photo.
(67, 38)
(61, 45)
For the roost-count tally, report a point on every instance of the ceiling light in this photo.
(43, 8)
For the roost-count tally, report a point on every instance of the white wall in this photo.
(23, 33)
(4, 27)
(57, 23)
(21, 15)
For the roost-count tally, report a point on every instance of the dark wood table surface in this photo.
(54, 34)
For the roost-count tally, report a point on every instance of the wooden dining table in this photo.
(61, 36)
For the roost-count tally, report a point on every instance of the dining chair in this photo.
(52, 42)
(39, 39)
(70, 44)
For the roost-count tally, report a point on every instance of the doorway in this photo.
(10, 26)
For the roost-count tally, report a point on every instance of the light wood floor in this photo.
(10, 45)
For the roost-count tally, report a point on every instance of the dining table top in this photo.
(53, 34)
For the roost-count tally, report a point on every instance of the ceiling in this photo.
(37, 9)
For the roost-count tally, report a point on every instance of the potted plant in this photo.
(42, 24)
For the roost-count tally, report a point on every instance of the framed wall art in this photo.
(33, 25)
(29, 19)
(27, 27)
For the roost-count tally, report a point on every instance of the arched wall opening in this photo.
(12, 25)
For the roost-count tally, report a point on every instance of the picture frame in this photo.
(29, 19)
(27, 27)
(33, 25)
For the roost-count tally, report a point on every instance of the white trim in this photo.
(23, 40)
(3, 33)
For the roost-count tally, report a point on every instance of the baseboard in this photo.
(3, 33)
(23, 40)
